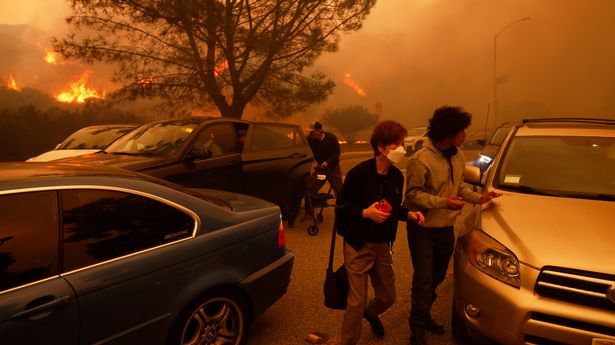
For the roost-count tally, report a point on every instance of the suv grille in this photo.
(576, 286)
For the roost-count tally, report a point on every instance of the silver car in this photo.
(539, 266)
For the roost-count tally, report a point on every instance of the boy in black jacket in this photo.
(368, 208)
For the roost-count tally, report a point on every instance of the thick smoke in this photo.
(412, 56)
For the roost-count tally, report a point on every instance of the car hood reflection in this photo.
(552, 231)
(237, 202)
(130, 162)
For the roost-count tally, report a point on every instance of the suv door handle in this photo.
(297, 155)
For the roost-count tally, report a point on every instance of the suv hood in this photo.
(554, 231)
(129, 162)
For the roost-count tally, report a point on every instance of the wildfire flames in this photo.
(147, 80)
(354, 85)
(10, 84)
(50, 58)
(78, 91)
(220, 69)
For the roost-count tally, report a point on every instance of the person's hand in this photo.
(454, 203)
(416, 217)
(488, 196)
(375, 214)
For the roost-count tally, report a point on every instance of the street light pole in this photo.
(495, 71)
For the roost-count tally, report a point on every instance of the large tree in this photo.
(349, 121)
(223, 52)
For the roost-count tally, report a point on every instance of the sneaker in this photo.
(376, 325)
(417, 336)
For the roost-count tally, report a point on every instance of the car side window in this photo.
(498, 137)
(28, 238)
(100, 225)
(273, 136)
(218, 139)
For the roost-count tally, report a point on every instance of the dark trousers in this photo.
(431, 250)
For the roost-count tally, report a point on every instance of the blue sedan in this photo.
(93, 255)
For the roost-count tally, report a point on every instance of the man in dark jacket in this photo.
(326, 150)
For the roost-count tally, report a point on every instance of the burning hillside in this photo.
(27, 61)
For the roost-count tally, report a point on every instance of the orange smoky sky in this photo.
(412, 56)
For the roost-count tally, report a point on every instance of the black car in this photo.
(263, 159)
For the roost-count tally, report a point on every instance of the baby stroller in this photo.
(314, 200)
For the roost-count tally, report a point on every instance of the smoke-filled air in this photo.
(514, 57)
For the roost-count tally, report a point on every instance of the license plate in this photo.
(598, 341)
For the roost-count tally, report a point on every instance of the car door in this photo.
(276, 160)
(37, 306)
(119, 257)
(213, 161)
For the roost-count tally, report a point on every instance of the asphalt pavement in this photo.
(301, 311)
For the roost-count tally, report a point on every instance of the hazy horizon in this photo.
(413, 56)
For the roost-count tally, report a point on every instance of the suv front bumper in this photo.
(519, 316)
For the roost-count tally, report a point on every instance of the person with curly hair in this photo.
(434, 177)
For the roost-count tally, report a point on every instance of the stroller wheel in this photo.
(319, 217)
(312, 230)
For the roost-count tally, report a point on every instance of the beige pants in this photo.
(376, 261)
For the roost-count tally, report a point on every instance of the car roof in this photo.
(567, 127)
(198, 120)
(16, 171)
(113, 125)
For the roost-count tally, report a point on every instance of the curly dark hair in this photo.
(448, 121)
(387, 132)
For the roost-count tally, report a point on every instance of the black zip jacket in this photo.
(326, 150)
(362, 187)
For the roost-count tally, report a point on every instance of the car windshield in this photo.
(93, 137)
(154, 139)
(582, 167)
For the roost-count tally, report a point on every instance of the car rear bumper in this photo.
(270, 283)
(519, 316)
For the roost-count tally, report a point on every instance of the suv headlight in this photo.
(492, 258)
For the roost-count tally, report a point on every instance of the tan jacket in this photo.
(429, 184)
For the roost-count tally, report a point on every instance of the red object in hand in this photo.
(384, 206)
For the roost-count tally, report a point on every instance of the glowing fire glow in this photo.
(78, 91)
(50, 57)
(220, 69)
(11, 84)
(354, 85)
(145, 81)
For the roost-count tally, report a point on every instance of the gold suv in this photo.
(539, 265)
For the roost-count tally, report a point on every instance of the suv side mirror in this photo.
(471, 175)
